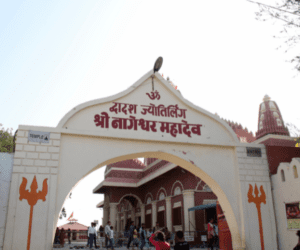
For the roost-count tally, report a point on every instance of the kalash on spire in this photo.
(270, 120)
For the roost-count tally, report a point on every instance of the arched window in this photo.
(261, 125)
(177, 191)
(122, 209)
(149, 200)
(282, 175)
(295, 171)
(206, 188)
(279, 122)
(162, 196)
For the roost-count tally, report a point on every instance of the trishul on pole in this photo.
(32, 197)
(257, 200)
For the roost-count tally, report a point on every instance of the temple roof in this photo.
(74, 226)
(132, 164)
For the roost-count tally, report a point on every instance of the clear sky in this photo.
(55, 55)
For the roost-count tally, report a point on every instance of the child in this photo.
(135, 238)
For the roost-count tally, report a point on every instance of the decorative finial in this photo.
(266, 98)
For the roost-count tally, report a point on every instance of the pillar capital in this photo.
(168, 199)
(188, 192)
(153, 202)
(113, 205)
(142, 206)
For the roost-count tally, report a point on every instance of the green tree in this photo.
(6, 140)
(287, 14)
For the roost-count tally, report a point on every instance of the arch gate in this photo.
(138, 122)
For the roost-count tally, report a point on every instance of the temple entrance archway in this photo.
(133, 124)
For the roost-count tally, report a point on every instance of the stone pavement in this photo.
(83, 244)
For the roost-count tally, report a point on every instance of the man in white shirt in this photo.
(92, 233)
(107, 232)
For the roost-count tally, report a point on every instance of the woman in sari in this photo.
(161, 244)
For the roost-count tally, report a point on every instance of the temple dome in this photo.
(270, 120)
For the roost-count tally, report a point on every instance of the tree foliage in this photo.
(294, 132)
(287, 13)
(6, 139)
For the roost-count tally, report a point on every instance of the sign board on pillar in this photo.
(38, 136)
(203, 237)
(189, 238)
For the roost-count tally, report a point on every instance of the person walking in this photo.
(161, 244)
(92, 234)
(142, 236)
(111, 238)
(210, 234)
(181, 243)
(131, 229)
(62, 237)
(69, 236)
(106, 231)
(95, 239)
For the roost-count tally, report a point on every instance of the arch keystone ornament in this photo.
(257, 200)
(32, 197)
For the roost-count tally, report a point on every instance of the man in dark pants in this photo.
(143, 236)
(92, 234)
(95, 238)
(131, 229)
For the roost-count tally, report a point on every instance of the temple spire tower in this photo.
(270, 120)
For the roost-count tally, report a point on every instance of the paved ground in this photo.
(83, 244)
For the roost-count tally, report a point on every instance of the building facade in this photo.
(154, 191)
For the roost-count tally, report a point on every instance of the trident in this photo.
(257, 200)
(32, 197)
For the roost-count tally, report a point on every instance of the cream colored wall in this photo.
(255, 170)
(286, 192)
(40, 160)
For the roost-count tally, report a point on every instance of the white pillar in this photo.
(188, 202)
(169, 214)
(142, 213)
(105, 214)
(154, 215)
(113, 214)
